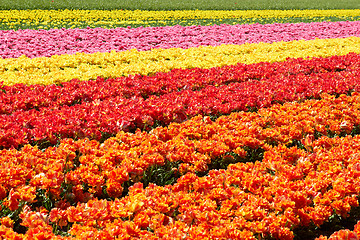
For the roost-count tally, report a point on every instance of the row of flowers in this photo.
(57, 69)
(100, 118)
(35, 43)
(92, 18)
(24, 97)
(193, 144)
(290, 188)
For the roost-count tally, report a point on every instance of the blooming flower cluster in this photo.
(144, 102)
(61, 68)
(37, 43)
(23, 97)
(194, 142)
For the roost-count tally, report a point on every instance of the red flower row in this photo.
(23, 97)
(93, 119)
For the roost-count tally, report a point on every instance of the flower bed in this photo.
(288, 189)
(63, 68)
(62, 173)
(93, 118)
(257, 138)
(38, 43)
(26, 97)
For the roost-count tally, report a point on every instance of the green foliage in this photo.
(161, 174)
(333, 224)
(13, 215)
(43, 199)
(254, 154)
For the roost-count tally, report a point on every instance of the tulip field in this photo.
(201, 124)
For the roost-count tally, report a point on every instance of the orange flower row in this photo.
(290, 188)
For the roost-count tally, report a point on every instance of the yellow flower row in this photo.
(93, 17)
(97, 15)
(61, 68)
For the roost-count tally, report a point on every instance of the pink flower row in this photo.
(38, 43)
